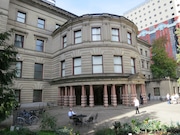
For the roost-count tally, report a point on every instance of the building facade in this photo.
(94, 59)
(156, 18)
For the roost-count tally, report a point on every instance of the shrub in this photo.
(105, 131)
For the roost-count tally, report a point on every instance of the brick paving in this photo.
(166, 113)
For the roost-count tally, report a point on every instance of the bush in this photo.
(105, 131)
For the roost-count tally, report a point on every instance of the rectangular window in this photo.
(39, 45)
(63, 68)
(129, 38)
(115, 34)
(97, 64)
(41, 23)
(64, 41)
(17, 95)
(77, 37)
(21, 17)
(19, 69)
(142, 62)
(19, 40)
(77, 66)
(37, 96)
(133, 71)
(38, 71)
(146, 54)
(156, 91)
(141, 51)
(117, 64)
(96, 34)
(147, 64)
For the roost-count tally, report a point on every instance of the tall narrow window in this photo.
(147, 64)
(115, 34)
(97, 64)
(117, 64)
(64, 41)
(19, 40)
(96, 34)
(38, 71)
(37, 96)
(129, 38)
(141, 51)
(146, 53)
(142, 62)
(133, 70)
(17, 95)
(39, 45)
(77, 37)
(41, 23)
(77, 66)
(19, 69)
(21, 17)
(62, 68)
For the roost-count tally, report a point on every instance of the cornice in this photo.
(49, 8)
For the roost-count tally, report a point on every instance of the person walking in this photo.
(141, 98)
(136, 104)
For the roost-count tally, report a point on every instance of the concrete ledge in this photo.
(34, 105)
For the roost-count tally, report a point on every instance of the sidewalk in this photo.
(166, 113)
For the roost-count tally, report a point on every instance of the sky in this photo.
(81, 7)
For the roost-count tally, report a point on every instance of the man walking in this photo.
(136, 104)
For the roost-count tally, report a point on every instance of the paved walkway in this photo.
(166, 113)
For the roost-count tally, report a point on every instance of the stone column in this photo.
(125, 95)
(133, 93)
(74, 97)
(143, 93)
(105, 96)
(60, 98)
(71, 96)
(113, 95)
(83, 97)
(66, 100)
(91, 97)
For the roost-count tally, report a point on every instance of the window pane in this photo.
(77, 70)
(39, 45)
(96, 34)
(21, 17)
(115, 35)
(77, 62)
(37, 96)
(97, 69)
(19, 40)
(41, 23)
(96, 31)
(117, 60)
(117, 69)
(97, 59)
(38, 73)
(18, 69)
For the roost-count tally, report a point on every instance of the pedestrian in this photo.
(168, 98)
(141, 99)
(136, 104)
(71, 113)
(149, 96)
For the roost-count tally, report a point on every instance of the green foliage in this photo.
(7, 74)
(105, 131)
(162, 65)
(48, 122)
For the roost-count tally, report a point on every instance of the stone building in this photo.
(94, 59)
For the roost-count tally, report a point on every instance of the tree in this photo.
(162, 65)
(7, 74)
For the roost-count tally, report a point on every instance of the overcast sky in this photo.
(80, 7)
